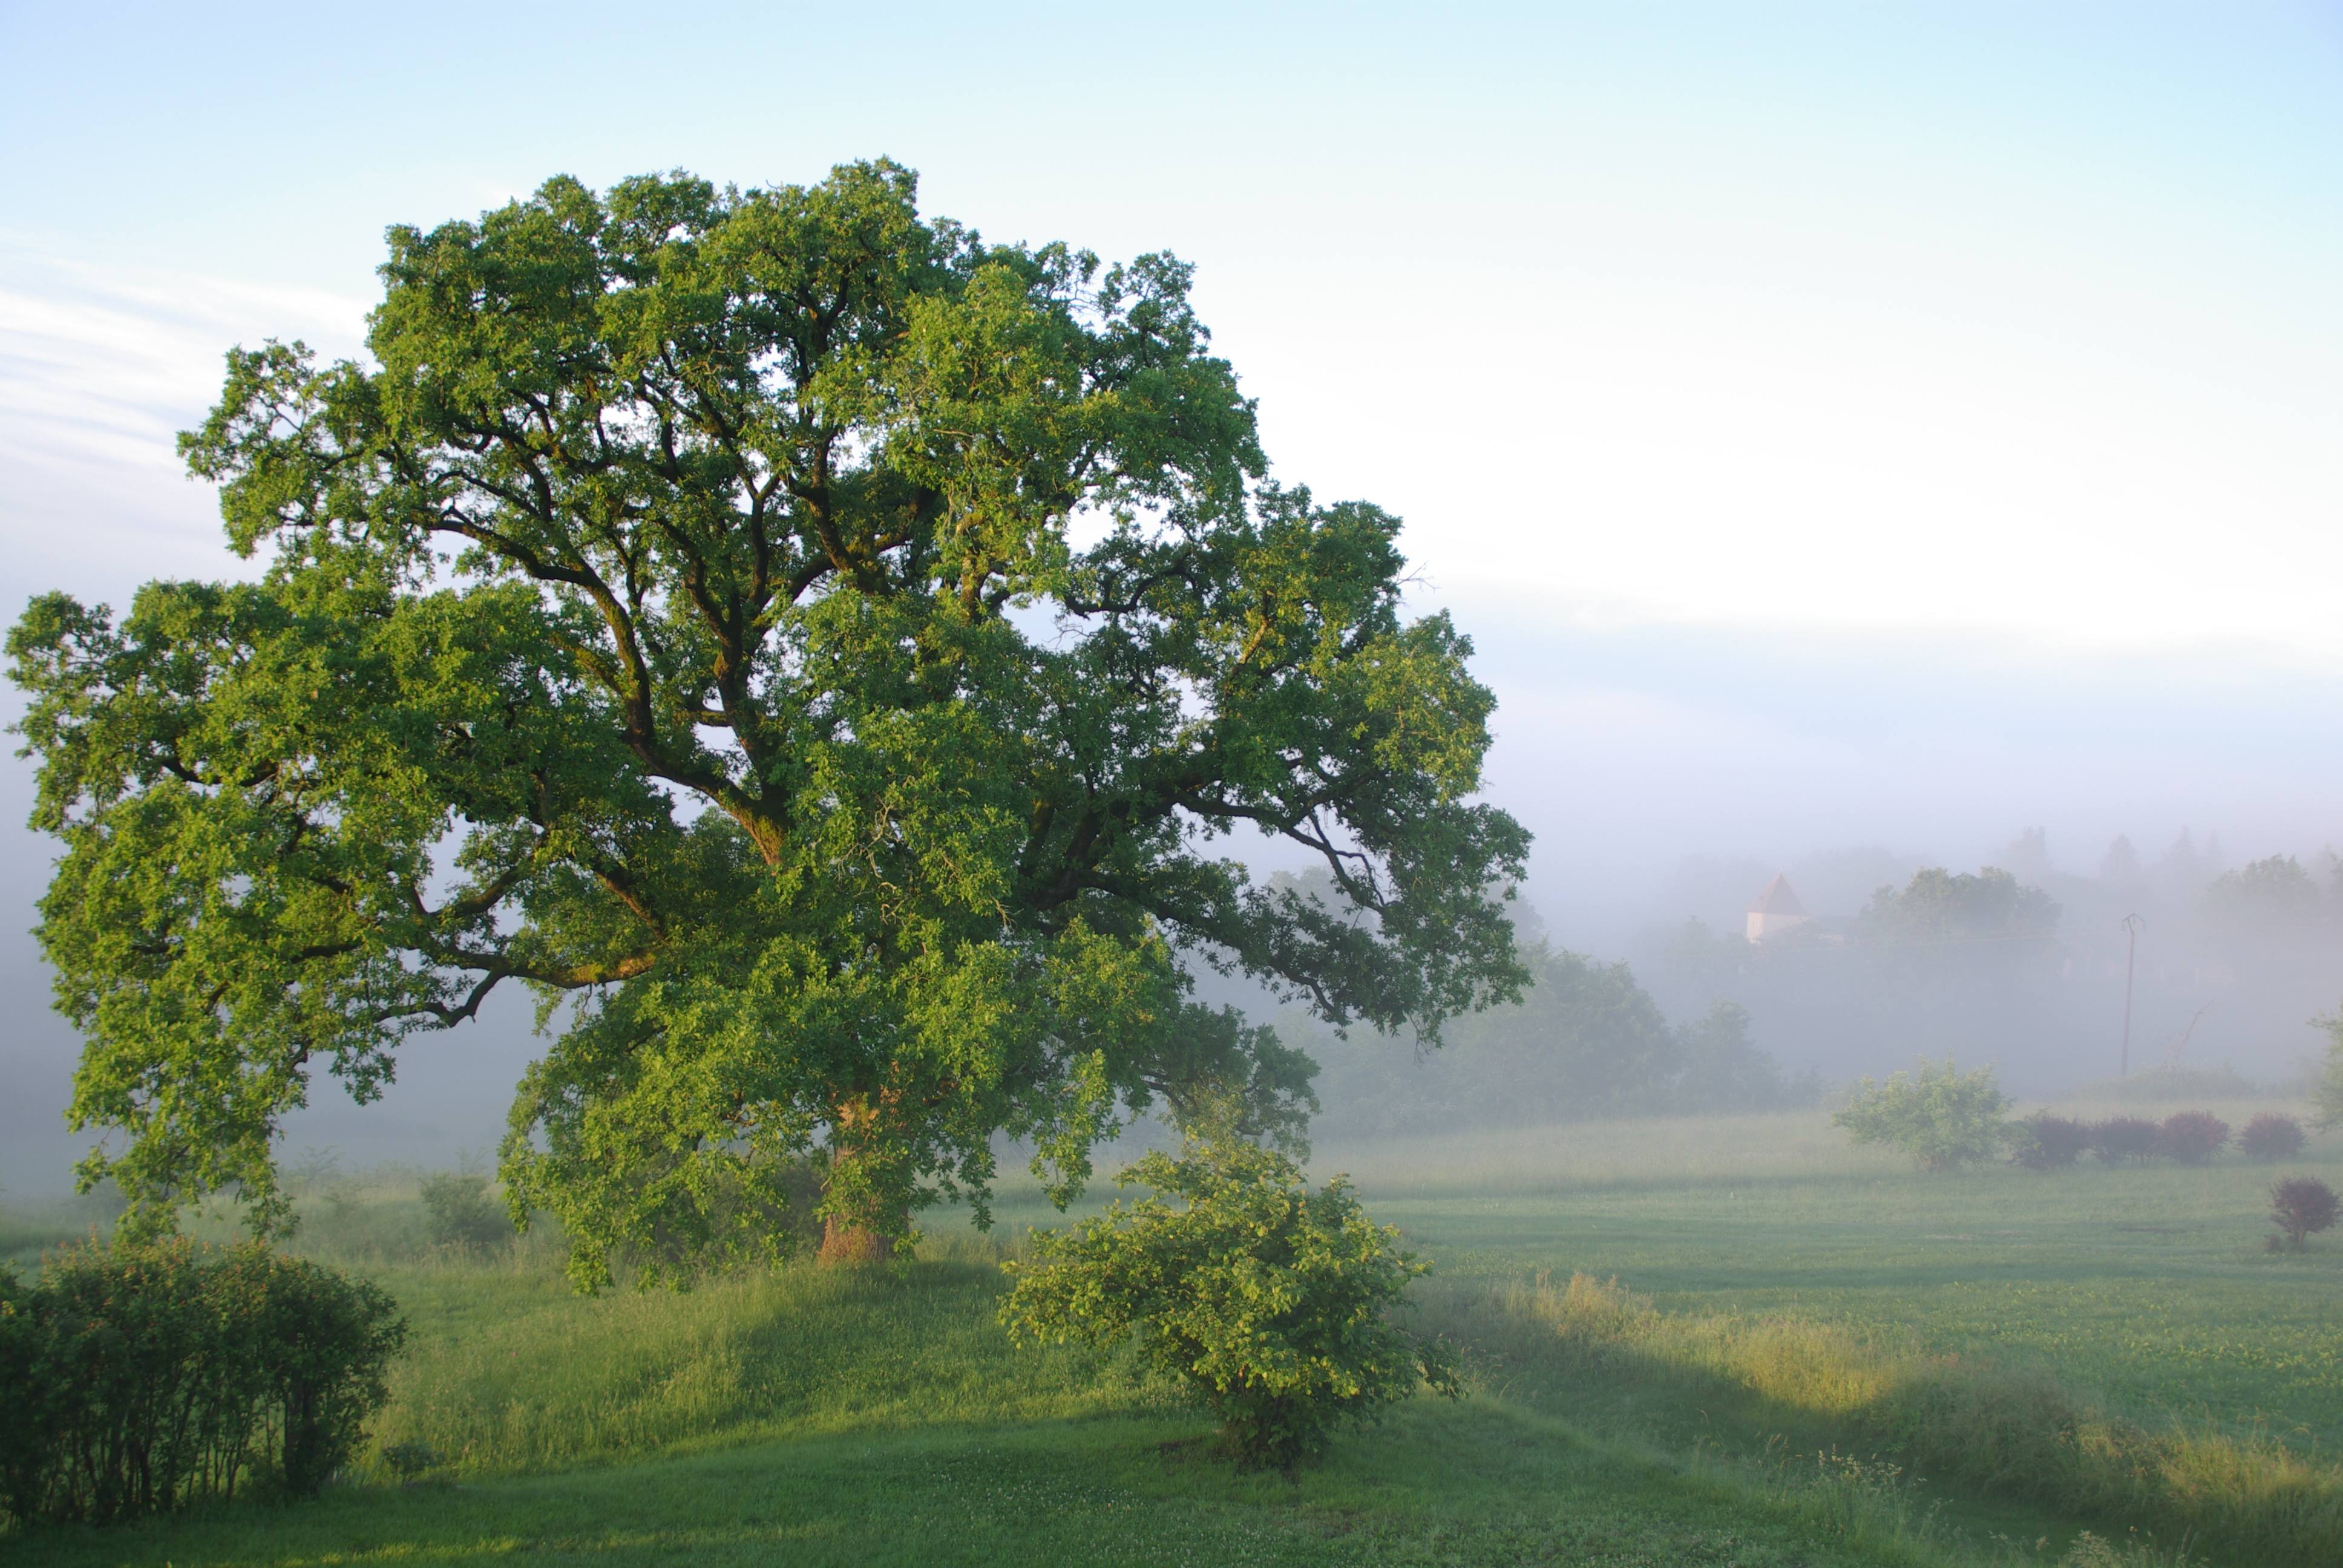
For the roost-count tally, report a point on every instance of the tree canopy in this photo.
(822, 653)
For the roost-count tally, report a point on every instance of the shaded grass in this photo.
(1444, 1484)
(1767, 1380)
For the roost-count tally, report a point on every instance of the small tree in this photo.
(462, 1212)
(2047, 1142)
(2122, 1138)
(2328, 1093)
(1943, 1118)
(2270, 1136)
(2302, 1205)
(1269, 1302)
(2192, 1137)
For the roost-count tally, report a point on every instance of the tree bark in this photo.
(852, 1238)
(850, 1244)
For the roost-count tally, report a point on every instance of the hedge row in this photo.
(2045, 1142)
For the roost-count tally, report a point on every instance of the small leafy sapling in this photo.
(2326, 1093)
(2301, 1206)
(2192, 1137)
(1942, 1118)
(410, 1458)
(462, 1212)
(1271, 1303)
(2047, 1142)
(2271, 1136)
(2127, 1138)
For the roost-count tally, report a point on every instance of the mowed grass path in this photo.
(2147, 1287)
(1448, 1484)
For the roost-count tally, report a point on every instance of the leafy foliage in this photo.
(2121, 1138)
(1941, 906)
(2192, 1137)
(818, 652)
(142, 1379)
(2045, 1142)
(2302, 1206)
(1270, 1304)
(2270, 1136)
(2262, 899)
(462, 1212)
(1942, 1118)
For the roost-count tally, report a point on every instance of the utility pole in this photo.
(2131, 924)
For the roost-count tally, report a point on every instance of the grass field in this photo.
(2148, 1287)
(1800, 1333)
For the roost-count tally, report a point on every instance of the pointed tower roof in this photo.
(1777, 898)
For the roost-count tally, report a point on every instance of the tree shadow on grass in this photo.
(2012, 1444)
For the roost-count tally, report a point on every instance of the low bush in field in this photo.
(462, 1212)
(1268, 1302)
(2127, 1138)
(1942, 1118)
(2192, 1137)
(2016, 1433)
(2302, 1206)
(140, 1379)
(2047, 1143)
(2270, 1136)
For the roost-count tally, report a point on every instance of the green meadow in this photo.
(1717, 1340)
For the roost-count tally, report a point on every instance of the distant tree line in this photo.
(2029, 963)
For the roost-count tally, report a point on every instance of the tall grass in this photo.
(547, 1379)
(2015, 1434)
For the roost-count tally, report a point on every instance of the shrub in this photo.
(1943, 1118)
(462, 1212)
(140, 1379)
(2047, 1143)
(2302, 1205)
(2122, 1138)
(2192, 1137)
(1269, 1302)
(2270, 1136)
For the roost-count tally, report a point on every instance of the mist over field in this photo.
(1669, 774)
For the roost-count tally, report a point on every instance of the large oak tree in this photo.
(833, 660)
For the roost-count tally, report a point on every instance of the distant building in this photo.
(1776, 910)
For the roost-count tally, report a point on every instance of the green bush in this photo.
(1943, 1118)
(140, 1379)
(2327, 1091)
(462, 1212)
(1270, 1304)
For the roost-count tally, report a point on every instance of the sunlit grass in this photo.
(1813, 1325)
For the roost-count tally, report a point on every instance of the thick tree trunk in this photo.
(853, 1237)
(853, 1244)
